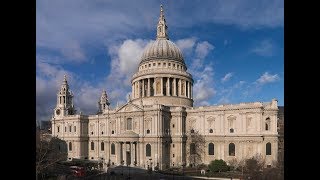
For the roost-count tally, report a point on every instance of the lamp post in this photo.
(122, 166)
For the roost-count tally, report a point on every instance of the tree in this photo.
(254, 166)
(49, 152)
(196, 147)
(218, 166)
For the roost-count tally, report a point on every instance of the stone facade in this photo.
(154, 127)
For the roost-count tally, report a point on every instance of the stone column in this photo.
(133, 91)
(141, 155)
(179, 87)
(137, 153)
(161, 90)
(185, 88)
(142, 87)
(189, 91)
(132, 153)
(148, 88)
(124, 152)
(119, 154)
(174, 93)
(168, 87)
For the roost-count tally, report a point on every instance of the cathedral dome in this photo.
(162, 49)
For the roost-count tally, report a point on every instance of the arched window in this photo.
(92, 145)
(267, 125)
(148, 131)
(58, 129)
(211, 131)
(148, 150)
(268, 148)
(211, 149)
(232, 149)
(102, 146)
(113, 149)
(70, 146)
(192, 148)
(112, 132)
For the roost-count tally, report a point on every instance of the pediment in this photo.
(129, 107)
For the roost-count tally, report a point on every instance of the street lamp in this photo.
(122, 166)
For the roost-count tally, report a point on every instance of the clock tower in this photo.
(64, 100)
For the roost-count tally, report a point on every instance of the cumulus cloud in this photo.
(203, 88)
(264, 48)
(74, 52)
(49, 78)
(267, 78)
(227, 77)
(203, 48)
(227, 94)
(186, 44)
(80, 21)
(129, 55)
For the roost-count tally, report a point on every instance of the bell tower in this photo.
(64, 100)
(103, 102)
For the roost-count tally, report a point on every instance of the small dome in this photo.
(162, 49)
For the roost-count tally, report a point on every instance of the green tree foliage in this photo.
(218, 166)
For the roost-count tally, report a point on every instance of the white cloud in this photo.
(226, 94)
(265, 48)
(74, 52)
(203, 48)
(267, 78)
(129, 55)
(186, 44)
(227, 77)
(203, 87)
(48, 81)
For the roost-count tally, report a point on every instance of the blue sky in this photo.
(233, 48)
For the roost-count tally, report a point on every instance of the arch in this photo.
(113, 149)
(267, 124)
(70, 146)
(92, 145)
(102, 146)
(211, 131)
(192, 149)
(211, 149)
(232, 149)
(268, 148)
(148, 150)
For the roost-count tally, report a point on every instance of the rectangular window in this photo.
(65, 129)
(154, 64)
(129, 124)
(75, 128)
(58, 128)
(172, 155)
(70, 128)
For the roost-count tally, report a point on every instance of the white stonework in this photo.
(153, 127)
